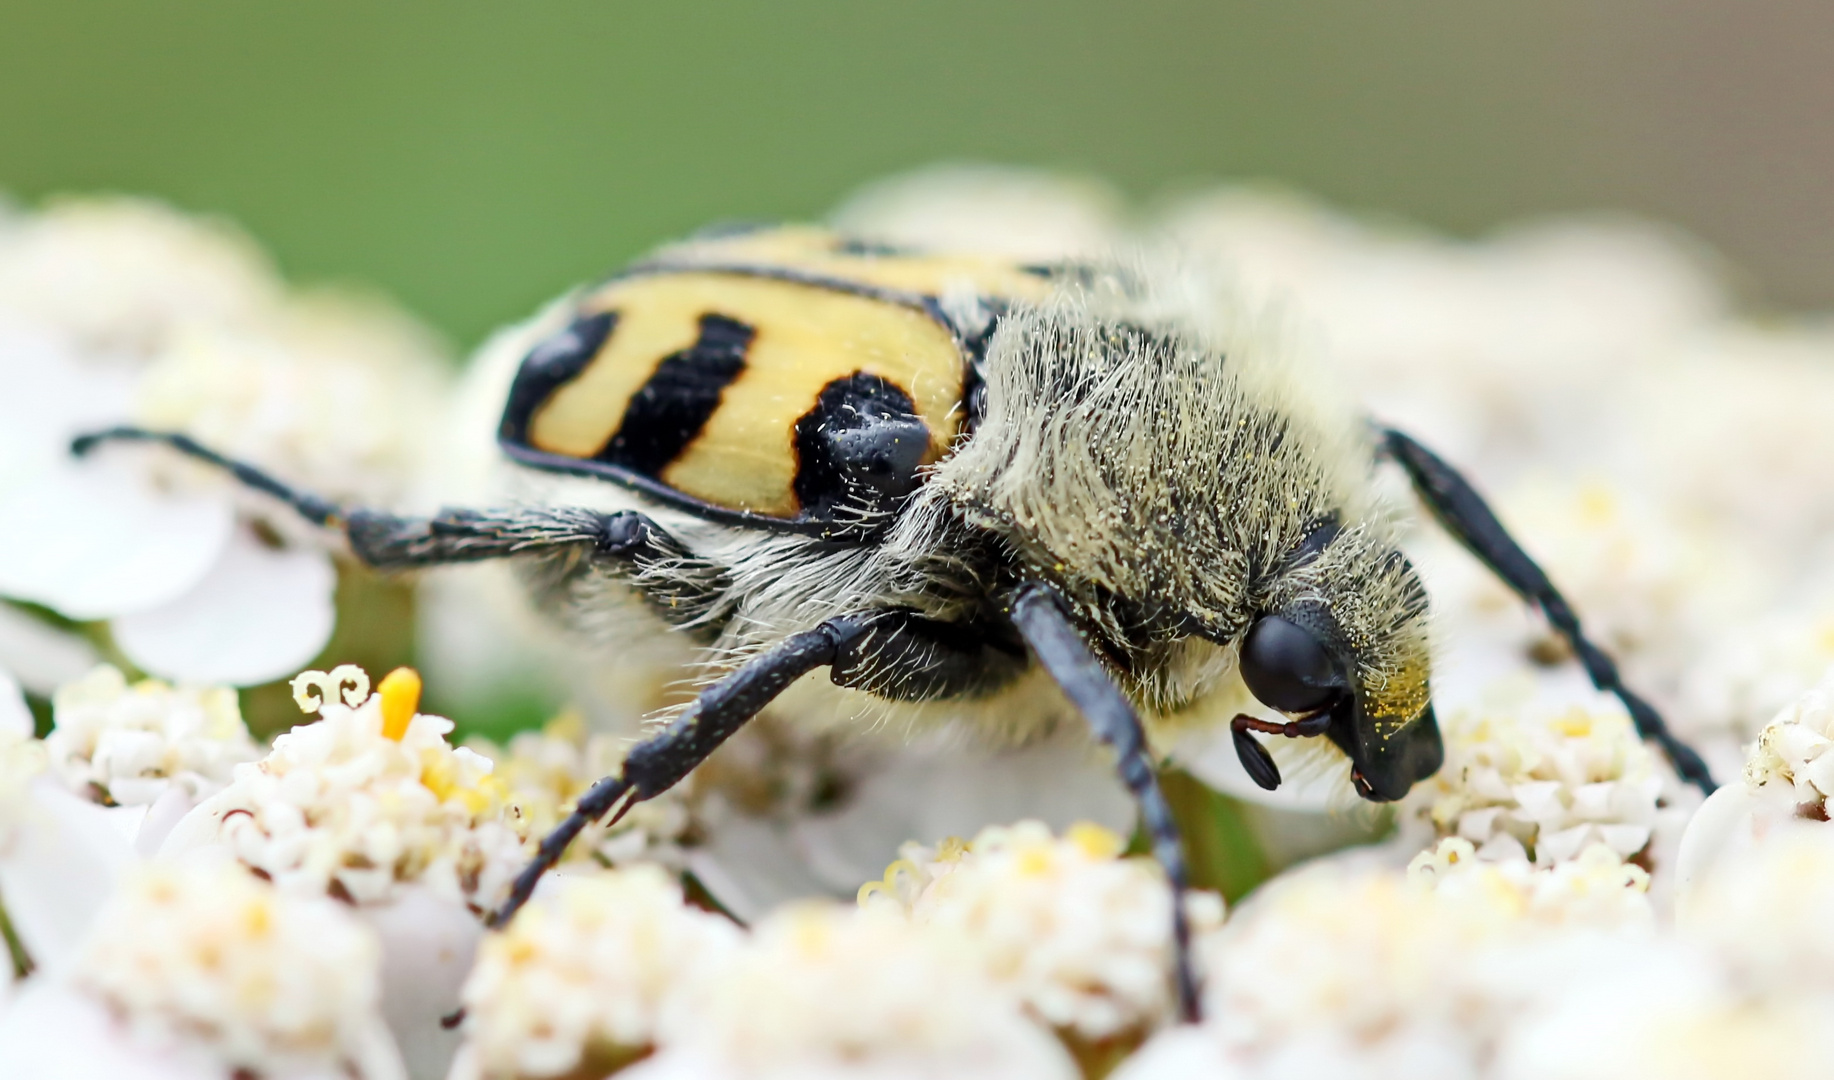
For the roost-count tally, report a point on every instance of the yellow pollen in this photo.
(1034, 862)
(257, 918)
(568, 725)
(400, 691)
(1094, 841)
(1574, 725)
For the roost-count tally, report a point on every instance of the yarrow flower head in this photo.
(1793, 751)
(577, 983)
(826, 991)
(365, 799)
(1596, 888)
(269, 982)
(128, 745)
(1345, 964)
(1547, 785)
(543, 774)
(1080, 934)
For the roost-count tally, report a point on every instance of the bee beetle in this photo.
(967, 489)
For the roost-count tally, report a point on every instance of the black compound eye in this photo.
(1287, 667)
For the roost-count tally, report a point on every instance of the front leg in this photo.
(1040, 615)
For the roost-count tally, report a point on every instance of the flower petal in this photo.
(60, 867)
(15, 718)
(39, 655)
(750, 865)
(95, 542)
(1734, 819)
(258, 615)
(54, 1030)
(929, 793)
(427, 948)
(50, 396)
(161, 818)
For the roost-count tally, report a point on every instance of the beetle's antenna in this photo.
(1463, 512)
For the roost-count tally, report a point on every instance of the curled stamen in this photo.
(313, 690)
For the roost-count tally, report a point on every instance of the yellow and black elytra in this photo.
(951, 482)
(785, 379)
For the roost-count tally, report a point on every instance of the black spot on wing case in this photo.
(859, 448)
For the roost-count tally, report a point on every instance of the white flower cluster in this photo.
(584, 974)
(1080, 934)
(1793, 751)
(272, 982)
(960, 952)
(368, 797)
(1338, 964)
(1595, 888)
(128, 745)
(1542, 788)
(819, 990)
(543, 773)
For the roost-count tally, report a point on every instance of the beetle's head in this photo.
(1341, 649)
(1200, 499)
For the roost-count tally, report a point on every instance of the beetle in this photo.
(973, 491)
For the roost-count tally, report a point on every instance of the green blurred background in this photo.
(472, 158)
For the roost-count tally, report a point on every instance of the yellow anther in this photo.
(568, 725)
(1095, 841)
(1574, 725)
(400, 690)
(1034, 861)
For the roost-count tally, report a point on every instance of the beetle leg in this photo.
(662, 760)
(1471, 522)
(1039, 614)
(682, 586)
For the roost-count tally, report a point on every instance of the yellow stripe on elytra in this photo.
(653, 323)
(805, 337)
